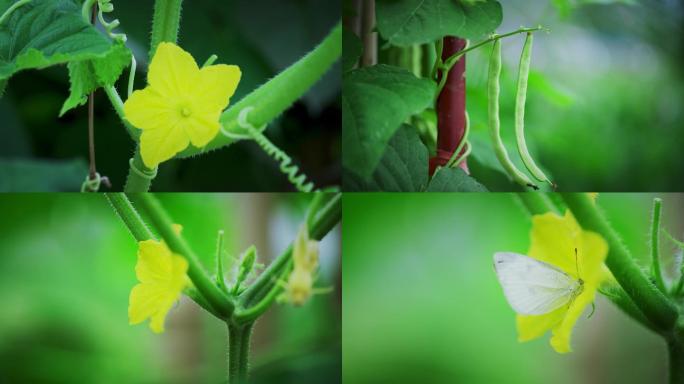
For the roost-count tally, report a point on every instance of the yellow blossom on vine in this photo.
(181, 105)
(299, 285)
(163, 276)
(554, 240)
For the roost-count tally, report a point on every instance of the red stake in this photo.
(451, 107)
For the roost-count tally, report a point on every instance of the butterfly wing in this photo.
(533, 287)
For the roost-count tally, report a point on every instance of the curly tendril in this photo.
(297, 179)
(103, 6)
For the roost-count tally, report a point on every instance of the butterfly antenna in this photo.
(593, 309)
(577, 264)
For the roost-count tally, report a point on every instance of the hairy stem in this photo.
(118, 105)
(129, 216)
(649, 299)
(655, 249)
(238, 352)
(165, 23)
(127, 213)
(162, 222)
(328, 217)
(278, 94)
(536, 203)
(139, 177)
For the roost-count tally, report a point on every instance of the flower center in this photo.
(185, 112)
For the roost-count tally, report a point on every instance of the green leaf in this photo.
(375, 102)
(403, 168)
(41, 176)
(351, 49)
(87, 75)
(406, 22)
(454, 180)
(47, 32)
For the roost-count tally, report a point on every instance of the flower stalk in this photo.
(239, 310)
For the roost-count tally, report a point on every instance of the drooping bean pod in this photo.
(520, 98)
(494, 122)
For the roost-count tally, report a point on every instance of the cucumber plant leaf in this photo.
(453, 180)
(407, 22)
(86, 76)
(42, 33)
(403, 168)
(375, 102)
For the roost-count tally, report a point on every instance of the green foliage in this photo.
(454, 180)
(47, 32)
(375, 101)
(351, 49)
(88, 75)
(406, 22)
(404, 168)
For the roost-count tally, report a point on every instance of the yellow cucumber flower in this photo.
(181, 105)
(554, 240)
(299, 285)
(163, 276)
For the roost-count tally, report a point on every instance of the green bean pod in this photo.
(494, 122)
(520, 98)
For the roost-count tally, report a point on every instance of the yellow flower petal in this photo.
(172, 72)
(141, 303)
(217, 83)
(181, 105)
(560, 341)
(202, 128)
(554, 239)
(154, 262)
(163, 276)
(161, 144)
(531, 327)
(147, 109)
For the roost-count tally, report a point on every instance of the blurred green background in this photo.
(604, 104)
(41, 152)
(422, 303)
(67, 268)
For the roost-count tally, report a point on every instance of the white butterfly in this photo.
(533, 287)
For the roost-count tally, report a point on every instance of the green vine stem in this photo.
(139, 177)
(118, 105)
(655, 249)
(329, 216)
(221, 304)
(278, 94)
(129, 216)
(653, 304)
(675, 348)
(238, 352)
(165, 23)
(536, 203)
(320, 219)
(163, 223)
